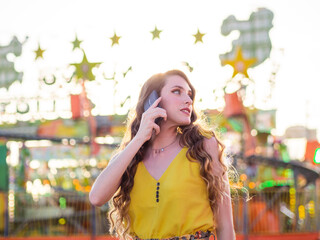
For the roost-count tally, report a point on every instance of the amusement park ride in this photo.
(284, 195)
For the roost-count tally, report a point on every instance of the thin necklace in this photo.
(159, 150)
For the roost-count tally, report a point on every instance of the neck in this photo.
(164, 138)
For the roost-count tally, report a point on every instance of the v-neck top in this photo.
(175, 205)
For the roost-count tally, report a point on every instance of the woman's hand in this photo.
(147, 124)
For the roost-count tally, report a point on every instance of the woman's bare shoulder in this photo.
(211, 146)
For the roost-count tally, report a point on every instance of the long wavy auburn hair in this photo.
(192, 136)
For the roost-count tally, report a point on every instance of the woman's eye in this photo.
(176, 91)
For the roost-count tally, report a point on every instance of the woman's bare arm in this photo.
(109, 179)
(225, 228)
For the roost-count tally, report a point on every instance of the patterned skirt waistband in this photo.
(197, 235)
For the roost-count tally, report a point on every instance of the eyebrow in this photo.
(180, 87)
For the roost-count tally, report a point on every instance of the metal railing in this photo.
(284, 210)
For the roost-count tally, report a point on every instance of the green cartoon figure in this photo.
(254, 42)
(8, 74)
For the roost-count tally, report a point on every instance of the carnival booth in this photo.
(51, 170)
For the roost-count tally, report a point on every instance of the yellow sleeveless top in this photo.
(180, 207)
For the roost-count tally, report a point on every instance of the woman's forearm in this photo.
(109, 179)
(226, 234)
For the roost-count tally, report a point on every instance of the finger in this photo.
(164, 116)
(156, 115)
(156, 102)
(162, 113)
(156, 128)
(158, 112)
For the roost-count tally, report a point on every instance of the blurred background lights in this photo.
(317, 156)
(62, 221)
(34, 164)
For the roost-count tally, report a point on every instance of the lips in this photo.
(185, 110)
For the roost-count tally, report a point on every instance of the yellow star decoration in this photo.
(115, 39)
(76, 43)
(39, 52)
(84, 69)
(239, 63)
(198, 36)
(188, 66)
(156, 33)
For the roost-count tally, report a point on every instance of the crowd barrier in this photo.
(282, 213)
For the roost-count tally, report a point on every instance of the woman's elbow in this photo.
(95, 200)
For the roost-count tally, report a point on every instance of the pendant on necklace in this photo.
(159, 150)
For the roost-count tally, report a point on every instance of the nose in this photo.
(188, 100)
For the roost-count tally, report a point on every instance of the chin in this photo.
(185, 122)
(181, 121)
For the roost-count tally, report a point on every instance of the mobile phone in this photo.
(150, 100)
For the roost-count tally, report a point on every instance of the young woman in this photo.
(168, 179)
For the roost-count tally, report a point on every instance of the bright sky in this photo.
(54, 25)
